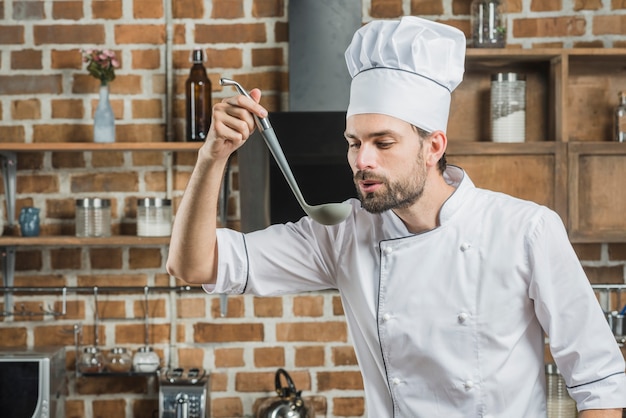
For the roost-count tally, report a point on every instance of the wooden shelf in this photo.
(71, 241)
(90, 146)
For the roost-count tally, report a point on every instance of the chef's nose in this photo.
(365, 157)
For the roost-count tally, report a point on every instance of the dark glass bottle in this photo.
(198, 99)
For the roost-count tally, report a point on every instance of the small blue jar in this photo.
(29, 221)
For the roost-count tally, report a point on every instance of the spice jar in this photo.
(508, 107)
(93, 217)
(146, 360)
(488, 24)
(119, 360)
(91, 360)
(154, 217)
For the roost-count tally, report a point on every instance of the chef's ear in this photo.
(436, 145)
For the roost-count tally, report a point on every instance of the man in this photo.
(447, 288)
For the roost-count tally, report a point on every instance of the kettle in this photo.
(289, 403)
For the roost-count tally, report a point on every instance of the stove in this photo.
(183, 393)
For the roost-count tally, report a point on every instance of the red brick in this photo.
(235, 33)
(157, 308)
(227, 9)
(91, 280)
(549, 27)
(224, 58)
(268, 8)
(346, 407)
(67, 109)
(26, 109)
(113, 385)
(605, 275)
(139, 34)
(229, 357)
(191, 307)
(344, 380)
(147, 109)
(146, 59)
(109, 408)
(106, 9)
(68, 34)
(193, 9)
(264, 381)
(67, 9)
(545, 5)
(11, 133)
(135, 334)
(310, 356)
(609, 25)
(344, 356)
(61, 59)
(235, 308)
(426, 7)
(13, 337)
(26, 59)
(144, 258)
(268, 307)
(28, 10)
(587, 5)
(11, 35)
(38, 184)
(29, 85)
(227, 407)
(66, 258)
(220, 332)
(269, 357)
(386, 8)
(74, 408)
(104, 182)
(147, 9)
(617, 251)
(312, 331)
(62, 133)
(267, 56)
(311, 306)
(191, 357)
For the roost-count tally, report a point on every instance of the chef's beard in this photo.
(397, 195)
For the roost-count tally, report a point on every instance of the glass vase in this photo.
(104, 119)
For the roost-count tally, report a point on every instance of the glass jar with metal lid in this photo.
(154, 217)
(119, 360)
(93, 217)
(91, 360)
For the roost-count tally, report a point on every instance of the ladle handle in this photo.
(269, 136)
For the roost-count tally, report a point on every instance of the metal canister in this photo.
(93, 217)
(560, 404)
(154, 217)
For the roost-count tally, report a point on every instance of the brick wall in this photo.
(46, 95)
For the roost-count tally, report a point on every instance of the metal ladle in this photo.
(326, 214)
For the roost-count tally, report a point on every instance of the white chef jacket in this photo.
(449, 322)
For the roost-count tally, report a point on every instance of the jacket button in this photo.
(463, 316)
(468, 384)
(388, 250)
(396, 381)
(386, 317)
(466, 246)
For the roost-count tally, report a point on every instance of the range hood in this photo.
(311, 132)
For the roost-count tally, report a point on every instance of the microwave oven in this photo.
(32, 382)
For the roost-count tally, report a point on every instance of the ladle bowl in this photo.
(325, 214)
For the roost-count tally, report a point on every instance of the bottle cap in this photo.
(197, 55)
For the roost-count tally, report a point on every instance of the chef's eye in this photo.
(384, 145)
(354, 145)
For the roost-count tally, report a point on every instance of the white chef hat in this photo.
(406, 69)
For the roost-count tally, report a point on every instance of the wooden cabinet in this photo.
(569, 161)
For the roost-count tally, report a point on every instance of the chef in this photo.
(448, 289)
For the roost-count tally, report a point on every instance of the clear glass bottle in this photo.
(620, 118)
(488, 24)
(119, 360)
(197, 99)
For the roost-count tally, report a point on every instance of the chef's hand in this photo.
(232, 124)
